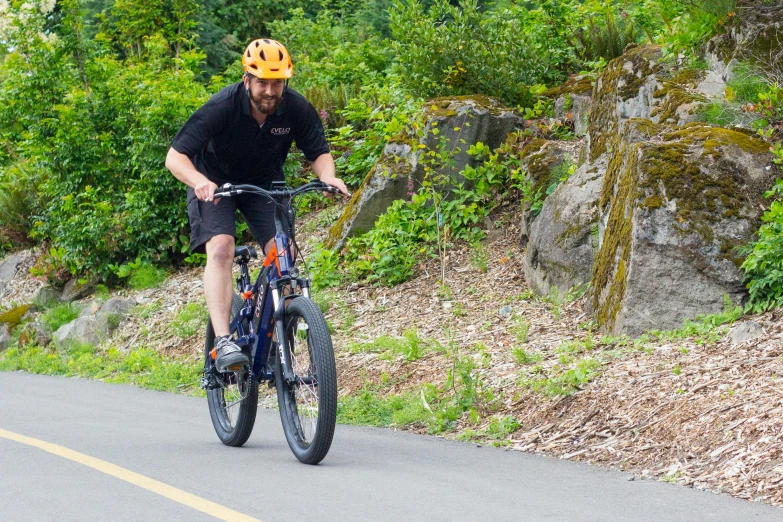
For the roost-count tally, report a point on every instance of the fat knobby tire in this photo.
(246, 418)
(322, 355)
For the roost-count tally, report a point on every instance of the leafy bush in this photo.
(764, 263)
(328, 52)
(458, 49)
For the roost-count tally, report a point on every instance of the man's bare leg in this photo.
(218, 288)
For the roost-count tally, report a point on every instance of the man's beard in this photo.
(266, 104)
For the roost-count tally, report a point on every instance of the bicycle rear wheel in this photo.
(234, 404)
(308, 406)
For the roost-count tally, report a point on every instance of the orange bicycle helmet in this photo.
(267, 59)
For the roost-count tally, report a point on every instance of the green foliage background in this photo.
(93, 91)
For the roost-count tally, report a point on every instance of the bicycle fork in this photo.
(284, 354)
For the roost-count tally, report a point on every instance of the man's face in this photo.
(265, 94)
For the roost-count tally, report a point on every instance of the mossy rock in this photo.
(622, 91)
(543, 161)
(14, 316)
(563, 239)
(386, 182)
(579, 84)
(674, 209)
(452, 125)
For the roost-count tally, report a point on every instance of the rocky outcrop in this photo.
(673, 210)
(756, 40)
(572, 101)
(96, 322)
(654, 217)
(8, 269)
(77, 289)
(451, 125)
(545, 163)
(564, 238)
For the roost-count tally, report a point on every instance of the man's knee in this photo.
(220, 249)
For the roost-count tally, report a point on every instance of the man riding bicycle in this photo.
(243, 134)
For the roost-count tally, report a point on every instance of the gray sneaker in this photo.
(229, 356)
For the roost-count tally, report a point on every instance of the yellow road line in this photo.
(170, 492)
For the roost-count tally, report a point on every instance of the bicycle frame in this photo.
(264, 306)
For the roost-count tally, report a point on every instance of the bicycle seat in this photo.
(246, 252)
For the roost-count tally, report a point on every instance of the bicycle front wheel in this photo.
(234, 404)
(308, 406)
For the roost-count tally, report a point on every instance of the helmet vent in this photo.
(267, 41)
(262, 55)
(248, 54)
(281, 55)
(274, 70)
(257, 44)
(254, 66)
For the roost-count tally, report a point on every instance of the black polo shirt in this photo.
(226, 144)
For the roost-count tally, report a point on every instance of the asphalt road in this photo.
(369, 474)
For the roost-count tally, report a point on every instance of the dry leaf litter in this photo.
(708, 416)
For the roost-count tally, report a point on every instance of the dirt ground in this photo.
(707, 415)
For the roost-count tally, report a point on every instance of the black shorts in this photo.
(208, 219)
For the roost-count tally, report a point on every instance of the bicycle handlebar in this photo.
(228, 190)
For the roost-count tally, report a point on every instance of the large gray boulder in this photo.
(83, 329)
(96, 322)
(451, 126)
(390, 179)
(77, 289)
(564, 237)
(572, 101)
(673, 210)
(9, 266)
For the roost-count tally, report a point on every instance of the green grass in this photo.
(191, 319)
(410, 346)
(566, 381)
(59, 315)
(142, 367)
(368, 408)
(705, 328)
(524, 358)
(146, 276)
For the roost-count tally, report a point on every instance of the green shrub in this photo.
(605, 37)
(459, 49)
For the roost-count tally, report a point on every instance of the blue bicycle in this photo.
(284, 335)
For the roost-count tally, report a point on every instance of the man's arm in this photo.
(324, 168)
(183, 169)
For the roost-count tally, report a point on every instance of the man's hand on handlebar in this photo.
(205, 191)
(336, 183)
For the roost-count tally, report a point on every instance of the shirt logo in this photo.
(280, 131)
